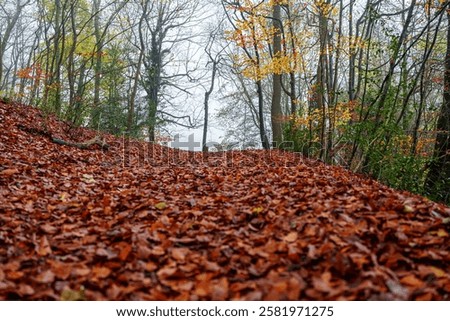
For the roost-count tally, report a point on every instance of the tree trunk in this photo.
(322, 83)
(352, 55)
(4, 38)
(392, 64)
(262, 129)
(96, 112)
(438, 180)
(131, 104)
(276, 113)
(52, 93)
(206, 105)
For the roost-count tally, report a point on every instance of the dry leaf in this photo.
(25, 289)
(176, 225)
(125, 250)
(71, 295)
(44, 248)
(100, 272)
(413, 281)
(166, 272)
(291, 237)
(45, 277)
(408, 209)
(9, 171)
(179, 254)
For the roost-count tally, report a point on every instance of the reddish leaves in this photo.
(9, 172)
(254, 225)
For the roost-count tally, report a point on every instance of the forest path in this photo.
(145, 222)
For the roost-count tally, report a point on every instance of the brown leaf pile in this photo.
(145, 222)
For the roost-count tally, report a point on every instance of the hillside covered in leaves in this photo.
(146, 222)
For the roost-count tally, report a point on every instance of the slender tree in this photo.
(163, 29)
(9, 21)
(275, 110)
(438, 179)
(214, 61)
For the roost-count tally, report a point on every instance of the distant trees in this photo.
(10, 15)
(363, 80)
(97, 62)
(165, 25)
(362, 84)
(251, 34)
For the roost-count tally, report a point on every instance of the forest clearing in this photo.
(82, 224)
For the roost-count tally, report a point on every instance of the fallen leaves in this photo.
(45, 277)
(255, 225)
(44, 248)
(9, 172)
(291, 237)
(412, 281)
(100, 272)
(61, 270)
(124, 250)
(179, 254)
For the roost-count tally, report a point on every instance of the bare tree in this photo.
(164, 27)
(254, 55)
(215, 57)
(9, 19)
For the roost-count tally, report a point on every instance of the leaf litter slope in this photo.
(159, 224)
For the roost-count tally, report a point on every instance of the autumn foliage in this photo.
(165, 225)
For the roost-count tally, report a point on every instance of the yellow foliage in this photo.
(254, 34)
(344, 112)
(324, 8)
(431, 4)
(339, 115)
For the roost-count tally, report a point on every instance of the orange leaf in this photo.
(45, 277)
(179, 253)
(25, 289)
(291, 237)
(166, 272)
(9, 171)
(150, 267)
(125, 250)
(411, 280)
(81, 271)
(44, 248)
(61, 270)
(100, 272)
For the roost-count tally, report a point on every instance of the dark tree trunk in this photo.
(262, 129)
(276, 113)
(206, 105)
(438, 181)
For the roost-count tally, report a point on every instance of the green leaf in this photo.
(71, 295)
(161, 206)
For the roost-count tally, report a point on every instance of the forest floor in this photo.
(146, 222)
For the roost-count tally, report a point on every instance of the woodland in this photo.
(331, 180)
(361, 84)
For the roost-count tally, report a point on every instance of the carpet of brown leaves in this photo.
(145, 222)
